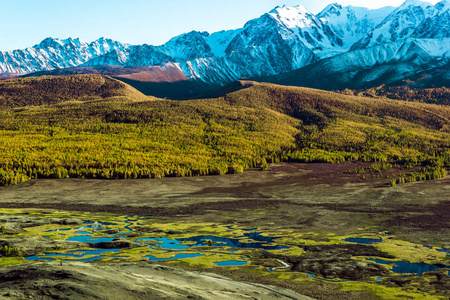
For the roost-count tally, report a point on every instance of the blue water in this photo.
(178, 256)
(229, 263)
(76, 255)
(166, 243)
(404, 267)
(262, 242)
(128, 228)
(260, 238)
(90, 239)
(438, 250)
(96, 223)
(38, 257)
(234, 243)
(363, 240)
(443, 250)
(94, 258)
(176, 244)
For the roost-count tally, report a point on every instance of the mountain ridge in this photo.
(279, 42)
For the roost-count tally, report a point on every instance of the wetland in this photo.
(290, 228)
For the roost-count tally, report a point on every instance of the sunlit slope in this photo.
(254, 124)
(311, 104)
(48, 90)
(336, 127)
(130, 139)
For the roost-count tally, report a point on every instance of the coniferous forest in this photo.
(89, 126)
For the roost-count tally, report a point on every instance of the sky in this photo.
(25, 23)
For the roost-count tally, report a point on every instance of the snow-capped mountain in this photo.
(54, 53)
(350, 24)
(413, 19)
(339, 39)
(364, 68)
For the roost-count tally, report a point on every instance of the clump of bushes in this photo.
(425, 174)
(9, 251)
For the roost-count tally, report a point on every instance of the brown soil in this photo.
(299, 196)
(126, 281)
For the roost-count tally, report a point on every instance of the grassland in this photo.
(96, 127)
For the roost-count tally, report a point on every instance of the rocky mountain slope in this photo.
(53, 53)
(338, 42)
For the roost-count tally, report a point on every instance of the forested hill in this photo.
(313, 106)
(47, 90)
(106, 129)
(424, 95)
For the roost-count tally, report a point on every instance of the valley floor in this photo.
(320, 200)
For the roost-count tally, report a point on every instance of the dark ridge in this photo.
(179, 90)
(322, 75)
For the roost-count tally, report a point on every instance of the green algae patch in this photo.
(411, 252)
(208, 260)
(9, 261)
(292, 251)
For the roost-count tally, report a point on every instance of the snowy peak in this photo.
(54, 53)
(351, 23)
(188, 46)
(443, 5)
(413, 3)
(219, 41)
(331, 9)
(294, 17)
(52, 42)
(413, 19)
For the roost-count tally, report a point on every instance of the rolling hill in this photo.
(98, 127)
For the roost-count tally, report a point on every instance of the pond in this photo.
(404, 267)
(365, 241)
(263, 242)
(230, 263)
(243, 239)
(89, 239)
(96, 232)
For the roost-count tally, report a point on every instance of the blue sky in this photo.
(25, 23)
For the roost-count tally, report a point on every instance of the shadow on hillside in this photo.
(183, 90)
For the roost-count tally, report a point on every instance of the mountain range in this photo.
(341, 47)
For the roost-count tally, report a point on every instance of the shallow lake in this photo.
(364, 241)
(404, 267)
